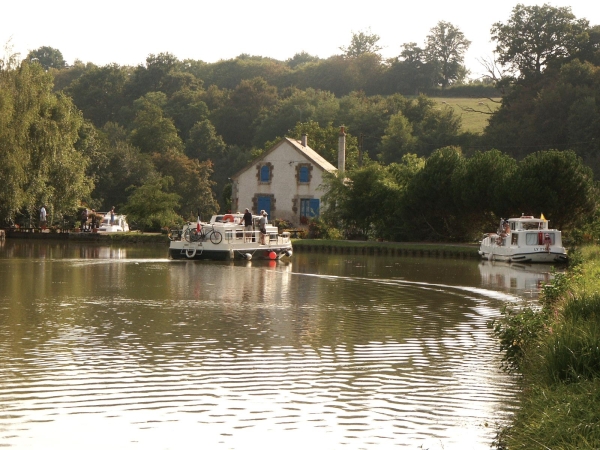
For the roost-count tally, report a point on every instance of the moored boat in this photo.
(117, 225)
(524, 239)
(224, 238)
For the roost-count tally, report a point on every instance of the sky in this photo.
(127, 31)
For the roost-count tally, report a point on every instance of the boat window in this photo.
(531, 239)
(530, 225)
(514, 239)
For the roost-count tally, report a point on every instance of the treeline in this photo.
(450, 197)
(176, 130)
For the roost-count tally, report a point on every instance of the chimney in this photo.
(342, 150)
(304, 140)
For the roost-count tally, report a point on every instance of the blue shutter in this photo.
(303, 174)
(265, 174)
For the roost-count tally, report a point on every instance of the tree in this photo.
(361, 43)
(482, 188)
(429, 201)
(124, 166)
(48, 57)
(38, 133)
(446, 47)
(191, 181)
(555, 183)
(186, 108)
(301, 58)
(98, 92)
(370, 189)
(152, 132)
(244, 108)
(152, 206)
(296, 107)
(536, 36)
(397, 140)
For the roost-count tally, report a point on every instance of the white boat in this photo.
(224, 238)
(524, 239)
(118, 225)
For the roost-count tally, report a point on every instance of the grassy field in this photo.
(474, 112)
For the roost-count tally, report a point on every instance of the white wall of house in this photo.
(284, 187)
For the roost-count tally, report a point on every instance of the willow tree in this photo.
(38, 132)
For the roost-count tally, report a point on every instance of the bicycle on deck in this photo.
(205, 233)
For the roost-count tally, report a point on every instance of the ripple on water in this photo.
(360, 364)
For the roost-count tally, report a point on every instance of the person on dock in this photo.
(43, 217)
(84, 219)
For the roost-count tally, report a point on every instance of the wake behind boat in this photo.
(524, 239)
(224, 238)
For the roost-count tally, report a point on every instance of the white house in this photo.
(285, 181)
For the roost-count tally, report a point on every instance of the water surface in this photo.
(123, 348)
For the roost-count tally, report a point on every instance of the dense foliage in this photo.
(111, 130)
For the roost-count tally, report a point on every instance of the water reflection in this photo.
(135, 350)
(521, 279)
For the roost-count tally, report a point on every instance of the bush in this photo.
(517, 330)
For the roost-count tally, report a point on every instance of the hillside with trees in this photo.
(180, 129)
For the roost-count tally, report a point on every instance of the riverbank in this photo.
(108, 238)
(556, 349)
(387, 248)
(303, 245)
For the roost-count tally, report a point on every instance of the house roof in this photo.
(307, 152)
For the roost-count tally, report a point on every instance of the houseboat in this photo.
(524, 239)
(224, 238)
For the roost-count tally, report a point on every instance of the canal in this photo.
(106, 347)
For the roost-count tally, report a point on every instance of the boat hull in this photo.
(206, 251)
(525, 257)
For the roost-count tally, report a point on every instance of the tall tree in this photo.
(38, 132)
(48, 57)
(446, 48)
(361, 43)
(535, 36)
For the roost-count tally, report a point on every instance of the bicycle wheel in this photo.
(186, 235)
(216, 237)
(196, 236)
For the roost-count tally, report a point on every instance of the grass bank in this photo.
(386, 248)
(556, 349)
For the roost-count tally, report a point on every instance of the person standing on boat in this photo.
(112, 216)
(247, 221)
(262, 224)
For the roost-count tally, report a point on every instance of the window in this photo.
(538, 238)
(309, 207)
(303, 173)
(265, 174)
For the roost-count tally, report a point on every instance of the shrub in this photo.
(517, 331)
